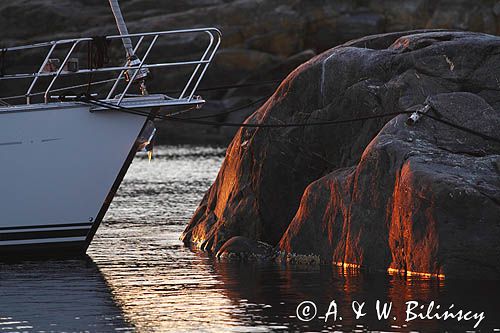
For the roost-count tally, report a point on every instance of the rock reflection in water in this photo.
(270, 295)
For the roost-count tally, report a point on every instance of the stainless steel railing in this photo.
(188, 91)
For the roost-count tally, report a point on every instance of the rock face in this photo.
(421, 199)
(375, 193)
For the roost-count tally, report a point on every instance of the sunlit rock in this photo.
(380, 194)
(423, 199)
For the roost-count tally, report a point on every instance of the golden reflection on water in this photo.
(159, 284)
(158, 296)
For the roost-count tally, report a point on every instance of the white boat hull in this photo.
(60, 166)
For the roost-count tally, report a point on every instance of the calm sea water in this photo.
(140, 277)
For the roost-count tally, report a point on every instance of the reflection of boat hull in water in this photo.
(60, 168)
(58, 296)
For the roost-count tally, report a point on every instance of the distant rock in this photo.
(374, 193)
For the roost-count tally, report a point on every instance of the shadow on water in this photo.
(270, 294)
(57, 295)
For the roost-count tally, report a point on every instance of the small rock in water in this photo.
(240, 247)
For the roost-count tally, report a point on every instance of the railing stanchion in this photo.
(197, 67)
(35, 79)
(123, 71)
(205, 68)
(75, 43)
(136, 71)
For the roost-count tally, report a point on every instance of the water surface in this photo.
(140, 277)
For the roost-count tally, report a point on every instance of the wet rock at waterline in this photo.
(239, 247)
(375, 193)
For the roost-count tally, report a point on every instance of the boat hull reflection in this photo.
(57, 296)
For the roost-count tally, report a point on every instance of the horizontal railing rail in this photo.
(188, 91)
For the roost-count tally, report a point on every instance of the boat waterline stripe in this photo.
(45, 229)
(43, 241)
(11, 143)
(48, 226)
(43, 234)
(49, 140)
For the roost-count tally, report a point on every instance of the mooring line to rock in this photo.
(462, 128)
(257, 101)
(233, 86)
(93, 101)
(424, 112)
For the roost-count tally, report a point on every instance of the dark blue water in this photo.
(140, 277)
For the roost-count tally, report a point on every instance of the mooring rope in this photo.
(97, 56)
(2, 61)
(91, 100)
(236, 109)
